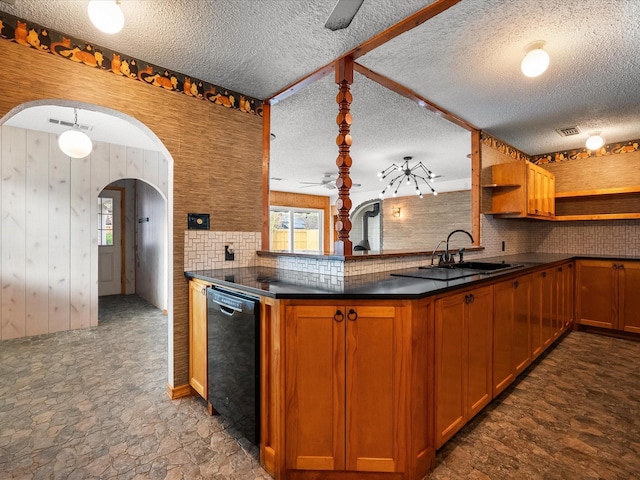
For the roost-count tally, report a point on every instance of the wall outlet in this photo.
(229, 254)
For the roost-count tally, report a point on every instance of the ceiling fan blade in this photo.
(342, 14)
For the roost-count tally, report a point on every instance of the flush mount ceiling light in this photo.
(535, 61)
(594, 142)
(75, 143)
(407, 175)
(106, 15)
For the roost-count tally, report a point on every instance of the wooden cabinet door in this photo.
(479, 340)
(597, 293)
(564, 308)
(451, 360)
(315, 387)
(503, 373)
(521, 308)
(463, 359)
(374, 391)
(198, 336)
(551, 193)
(629, 288)
(536, 314)
(548, 305)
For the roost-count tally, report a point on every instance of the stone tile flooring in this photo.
(92, 404)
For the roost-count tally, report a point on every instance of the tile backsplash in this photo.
(205, 249)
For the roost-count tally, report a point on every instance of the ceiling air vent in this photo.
(70, 124)
(568, 131)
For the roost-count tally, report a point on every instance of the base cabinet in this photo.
(463, 333)
(354, 397)
(607, 294)
(511, 350)
(198, 336)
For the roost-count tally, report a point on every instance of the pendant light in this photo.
(74, 142)
(106, 15)
(535, 61)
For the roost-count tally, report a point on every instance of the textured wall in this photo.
(216, 152)
(425, 221)
(151, 255)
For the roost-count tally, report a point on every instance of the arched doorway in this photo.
(52, 203)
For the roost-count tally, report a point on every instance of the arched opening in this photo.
(51, 205)
(366, 233)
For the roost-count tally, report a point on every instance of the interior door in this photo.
(110, 242)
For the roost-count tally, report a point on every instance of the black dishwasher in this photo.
(233, 342)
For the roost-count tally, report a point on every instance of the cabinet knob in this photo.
(621, 266)
(203, 291)
(338, 316)
(559, 269)
(352, 315)
(515, 284)
(544, 274)
(615, 266)
(472, 298)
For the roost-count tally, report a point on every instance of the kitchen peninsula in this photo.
(373, 373)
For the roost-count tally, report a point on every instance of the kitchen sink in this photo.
(456, 271)
(485, 266)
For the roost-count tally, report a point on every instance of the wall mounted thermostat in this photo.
(198, 221)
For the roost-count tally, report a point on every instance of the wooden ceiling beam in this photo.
(411, 95)
(405, 25)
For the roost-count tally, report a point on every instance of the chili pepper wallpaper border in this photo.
(49, 41)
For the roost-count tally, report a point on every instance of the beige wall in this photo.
(216, 152)
(423, 222)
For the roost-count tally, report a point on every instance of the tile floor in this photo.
(92, 404)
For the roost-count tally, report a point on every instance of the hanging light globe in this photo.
(75, 143)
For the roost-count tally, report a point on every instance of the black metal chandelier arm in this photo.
(387, 171)
(421, 166)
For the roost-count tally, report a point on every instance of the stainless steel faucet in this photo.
(447, 257)
(435, 250)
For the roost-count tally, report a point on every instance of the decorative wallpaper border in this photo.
(611, 149)
(502, 147)
(49, 41)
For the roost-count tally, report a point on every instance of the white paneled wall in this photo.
(48, 227)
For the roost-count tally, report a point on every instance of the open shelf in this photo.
(600, 216)
(501, 185)
(599, 192)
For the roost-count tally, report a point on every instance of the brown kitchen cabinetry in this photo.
(347, 388)
(198, 336)
(343, 394)
(543, 286)
(564, 298)
(607, 294)
(463, 349)
(521, 189)
(511, 350)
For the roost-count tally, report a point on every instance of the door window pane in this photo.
(105, 221)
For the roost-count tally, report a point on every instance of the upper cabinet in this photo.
(521, 189)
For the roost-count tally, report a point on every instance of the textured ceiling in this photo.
(466, 60)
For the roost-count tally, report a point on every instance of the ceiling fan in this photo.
(328, 181)
(342, 14)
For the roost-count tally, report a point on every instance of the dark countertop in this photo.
(280, 283)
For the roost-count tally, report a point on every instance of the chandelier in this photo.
(407, 175)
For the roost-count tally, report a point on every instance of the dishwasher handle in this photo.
(230, 303)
